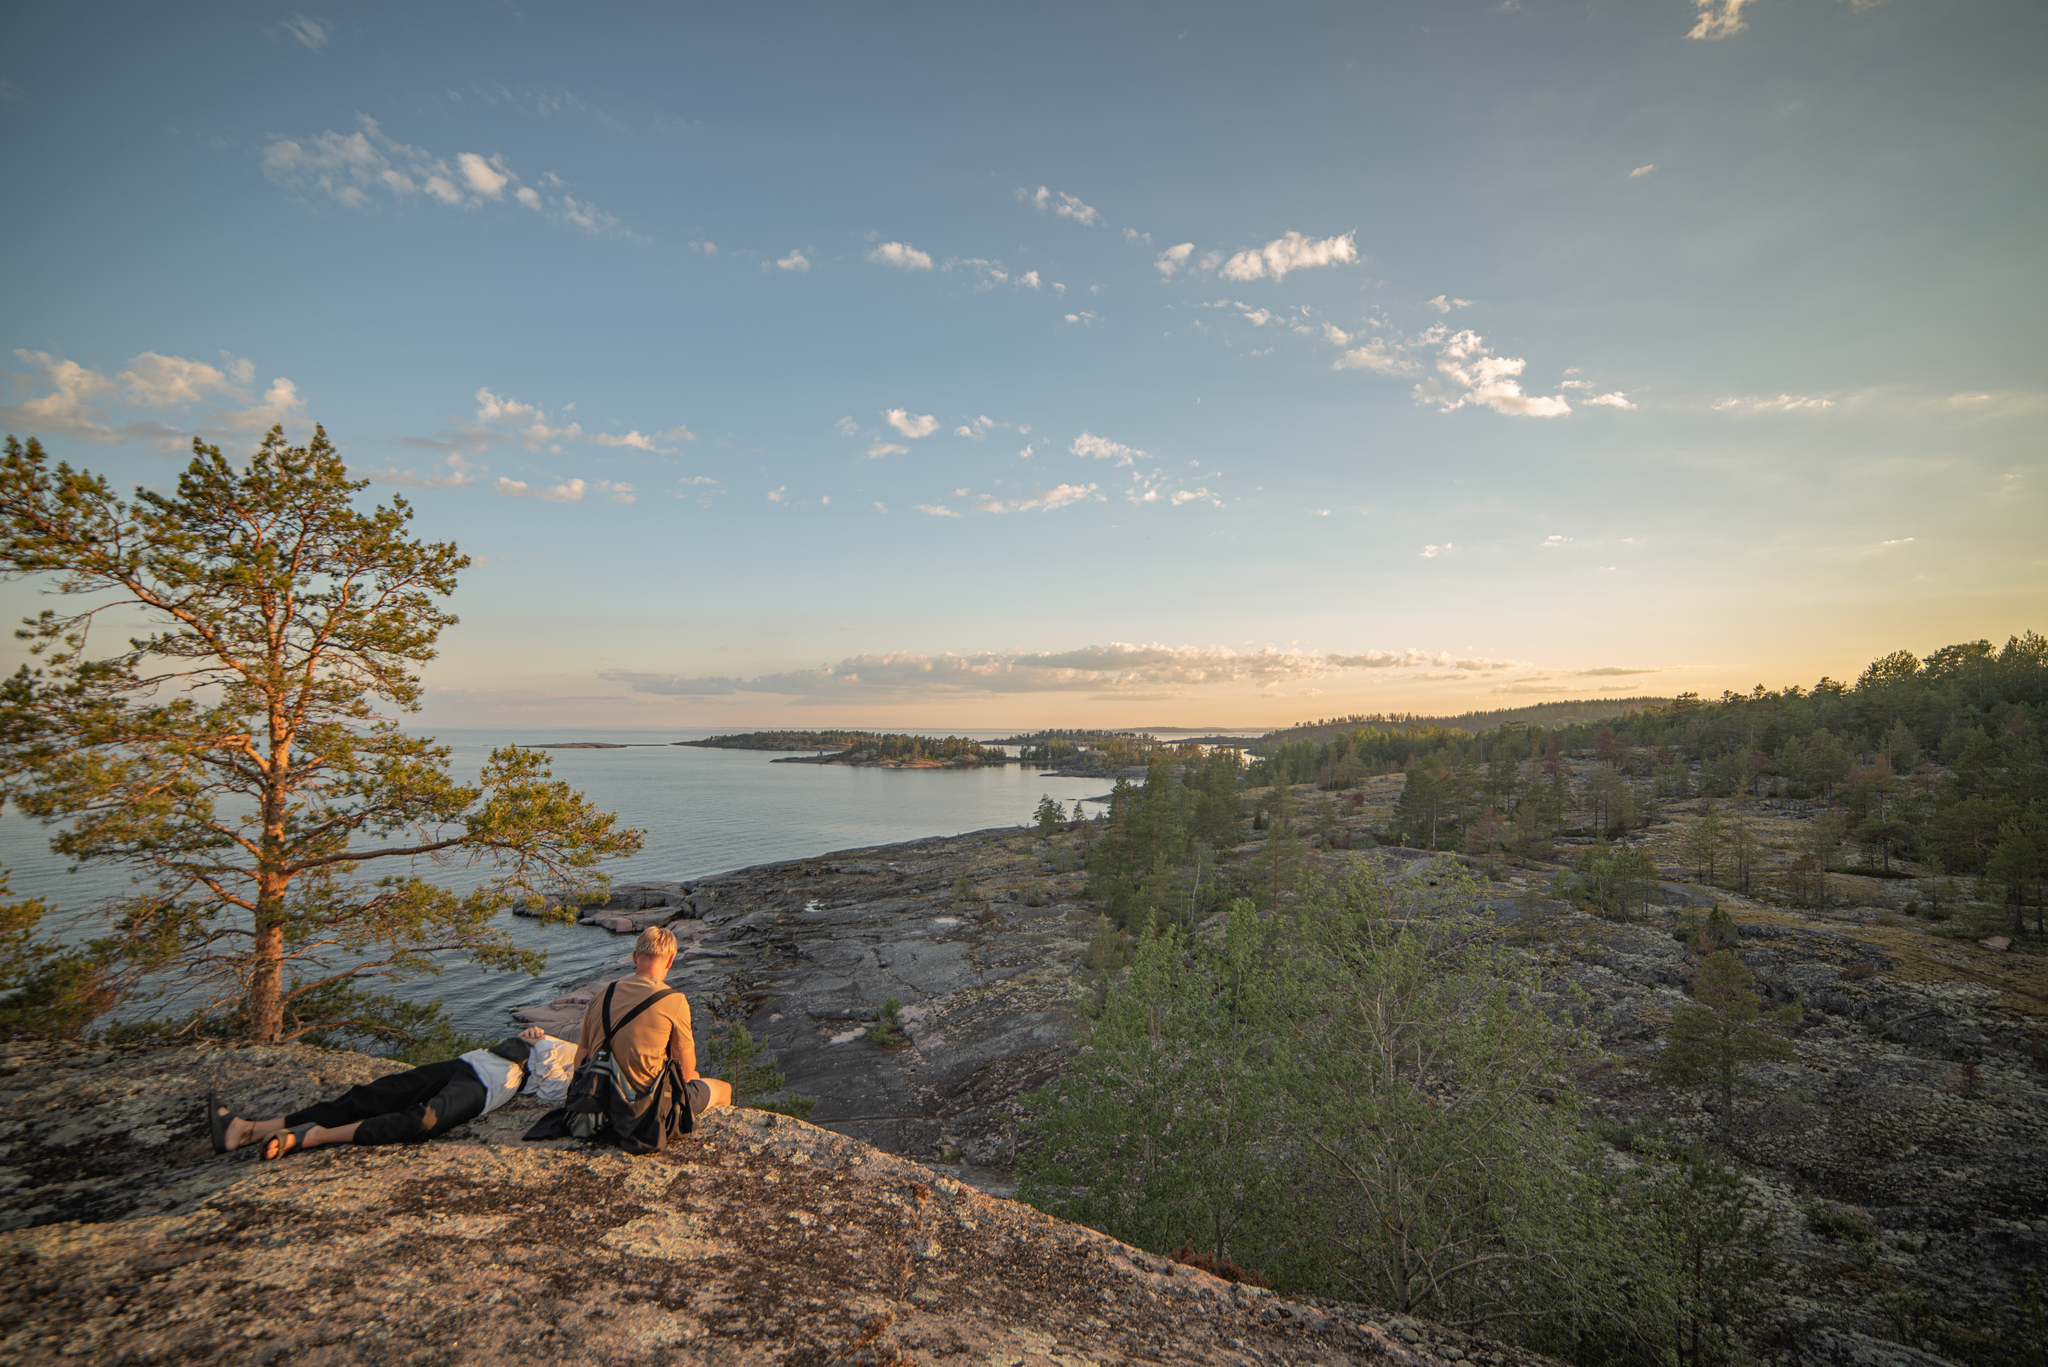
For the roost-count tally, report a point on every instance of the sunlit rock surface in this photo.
(762, 1240)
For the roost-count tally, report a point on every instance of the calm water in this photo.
(704, 812)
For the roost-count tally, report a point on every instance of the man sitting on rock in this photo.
(403, 1108)
(642, 1045)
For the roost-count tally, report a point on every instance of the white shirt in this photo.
(549, 1069)
(500, 1076)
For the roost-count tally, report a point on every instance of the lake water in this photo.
(703, 811)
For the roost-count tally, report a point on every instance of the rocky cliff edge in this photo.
(762, 1240)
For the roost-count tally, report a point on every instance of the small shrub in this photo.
(1859, 970)
(1705, 935)
(1831, 1221)
(1631, 1136)
(887, 1033)
(794, 1104)
(1228, 1270)
(732, 1058)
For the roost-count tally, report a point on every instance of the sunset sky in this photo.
(1077, 365)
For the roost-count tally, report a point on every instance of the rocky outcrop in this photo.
(808, 952)
(760, 1240)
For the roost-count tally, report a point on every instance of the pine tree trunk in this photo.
(266, 973)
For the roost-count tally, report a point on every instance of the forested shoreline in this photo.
(1300, 1068)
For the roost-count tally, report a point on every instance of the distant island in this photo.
(872, 749)
(595, 745)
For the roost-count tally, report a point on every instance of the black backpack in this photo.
(603, 1105)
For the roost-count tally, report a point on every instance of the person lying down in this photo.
(412, 1106)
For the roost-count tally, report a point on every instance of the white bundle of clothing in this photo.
(548, 1070)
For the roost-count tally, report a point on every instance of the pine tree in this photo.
(1723, 1028)
(239, 755)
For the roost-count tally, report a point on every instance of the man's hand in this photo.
(533, 1032)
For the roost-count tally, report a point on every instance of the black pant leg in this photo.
(460, 1099)
(395, 1092)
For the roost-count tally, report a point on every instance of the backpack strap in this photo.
(610, 1029)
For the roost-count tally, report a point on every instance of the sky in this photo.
(1076, 365)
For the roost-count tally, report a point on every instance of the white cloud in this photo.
(491, 408)
(280, 404)
(777, 495)
(1133, 235)
(1719, 18)
(1059, 496)
(165, 381)
(888, 448)
(1378, 358)
(461, 472)
(1335, 335)
(977, 429)
(912, 425)
(1478, 377)
(1433, 552)
(1642, 171)
(935, 510)
(1194, 496)
(1258, 317)
(1615, 400)
(847, 427)
(617, 493)
(1784, 403)
(312, 33)
(1084, 317)
(641, 441)
(1029, 279)
(500, 417)
(1117, 669)
(1554, 542)
(571, 492)
(1898, 542)
(484, 178)
(901, 255)
(1173, 258)
(1292, 252)
(708, 248)
(361, 169)
(1063, 205)
(79, 399)
(795, 261)
(1101, 448)
(1444, 303)
(1040, 500)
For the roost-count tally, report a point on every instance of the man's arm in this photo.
(682, 1043)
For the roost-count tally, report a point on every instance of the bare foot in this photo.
(240, 1132)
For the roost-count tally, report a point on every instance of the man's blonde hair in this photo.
(655, 942)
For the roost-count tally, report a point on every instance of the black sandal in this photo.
(298, 1134)
(218, 1119)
